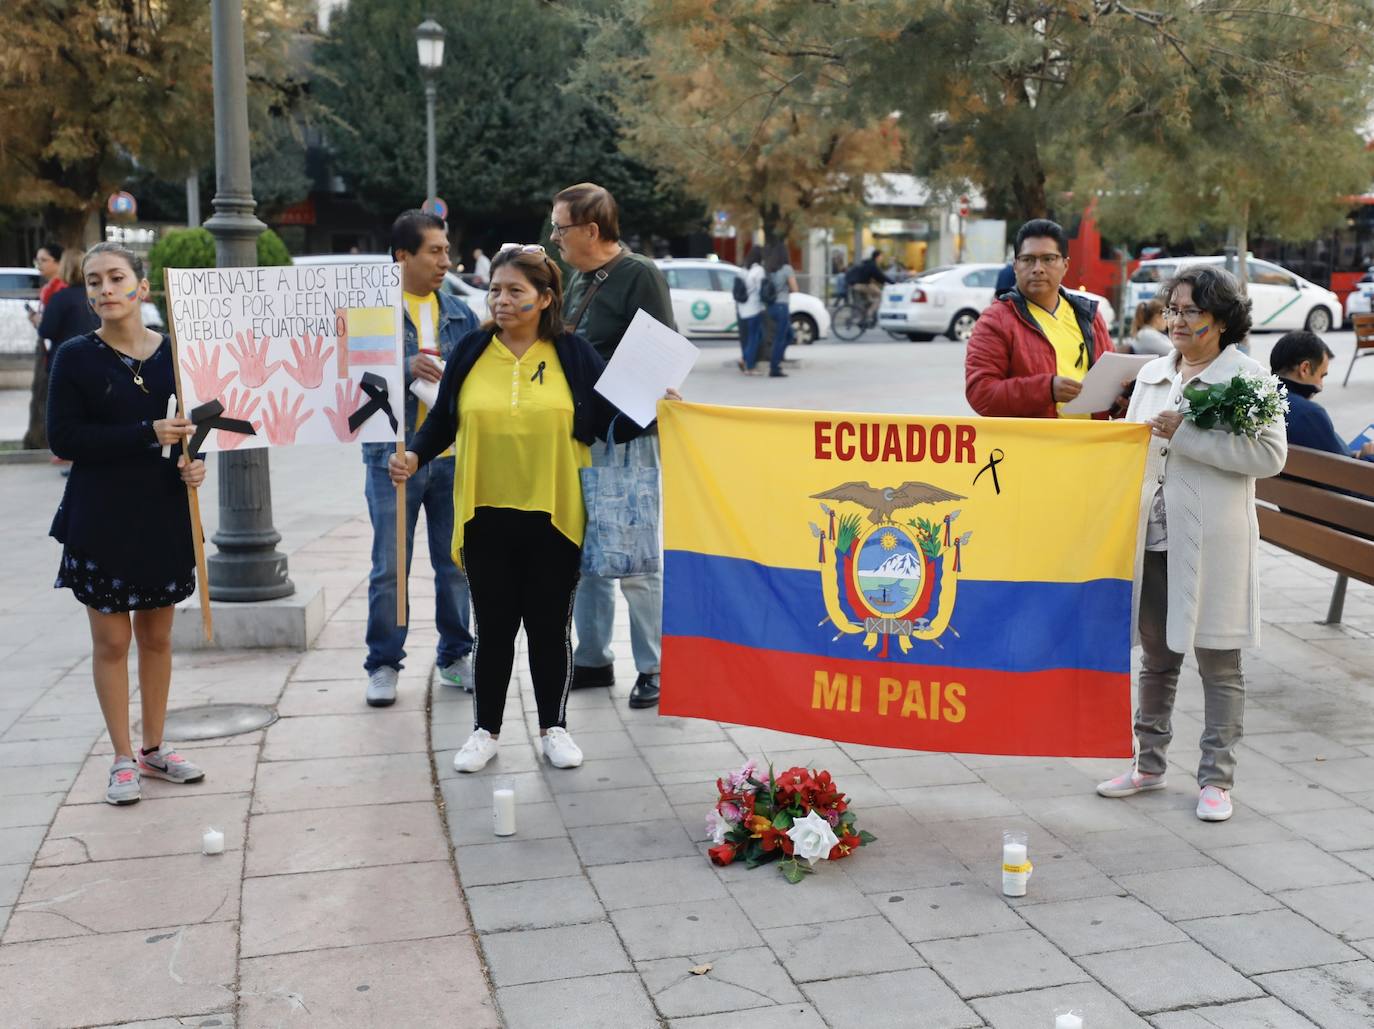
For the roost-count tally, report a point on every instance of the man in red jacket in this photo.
(1031, 348)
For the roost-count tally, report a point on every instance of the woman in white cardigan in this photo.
(1196, 582)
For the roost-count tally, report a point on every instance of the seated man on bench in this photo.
(1302, 360)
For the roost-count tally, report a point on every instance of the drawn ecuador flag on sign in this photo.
(932, 584)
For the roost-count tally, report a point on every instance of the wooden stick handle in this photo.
(192, 499)
(401, 540)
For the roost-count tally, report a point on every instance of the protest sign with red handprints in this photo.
(238, 406)
(282, 421)
(347, 399)
(206, 380)
(309, 367)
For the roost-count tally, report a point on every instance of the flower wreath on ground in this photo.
(794, 817)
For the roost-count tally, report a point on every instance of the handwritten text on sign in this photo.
(286, 350)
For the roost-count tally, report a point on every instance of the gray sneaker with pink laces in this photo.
(166, 763)
(124, 787)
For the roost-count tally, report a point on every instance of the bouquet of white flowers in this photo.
(1245, 405)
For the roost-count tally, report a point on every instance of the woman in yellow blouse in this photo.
(517, 397)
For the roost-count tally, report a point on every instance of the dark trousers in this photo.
(520, 570)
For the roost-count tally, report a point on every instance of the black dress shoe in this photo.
(593, 675)
(645, 692)
(779, 374)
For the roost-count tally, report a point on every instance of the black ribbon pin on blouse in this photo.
(378, 399)
(994, 459)
(210, 416)
(538, 374)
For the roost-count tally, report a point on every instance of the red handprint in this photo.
(252, 358)
(309, 367)
(346, 400)
(281, 422)
(236, 406)
(206, 381)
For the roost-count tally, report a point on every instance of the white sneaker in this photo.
(560, 749)
(476, 752)
(381, 686)
(459, 673)
(1214, 804)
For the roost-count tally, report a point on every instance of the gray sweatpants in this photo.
(1223, 689)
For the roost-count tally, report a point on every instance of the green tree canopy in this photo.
(509, 134)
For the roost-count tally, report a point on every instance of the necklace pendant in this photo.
(138, 381)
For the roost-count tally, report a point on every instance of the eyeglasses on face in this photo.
(560, 230)
(1044, 260)
(1188, 314)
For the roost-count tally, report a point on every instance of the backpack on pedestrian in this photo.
(768, 290)
(740, 290)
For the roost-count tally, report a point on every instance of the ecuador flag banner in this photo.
(925, 583)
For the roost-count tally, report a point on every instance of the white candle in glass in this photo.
(212, 842)
(503, 811)
(1014, 856)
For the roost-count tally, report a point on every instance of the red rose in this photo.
(723, 854)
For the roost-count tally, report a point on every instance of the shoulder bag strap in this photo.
(598, 277)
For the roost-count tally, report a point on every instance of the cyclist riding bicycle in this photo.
(865, 282)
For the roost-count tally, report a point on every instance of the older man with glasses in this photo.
(1031, 348)
(608, 287)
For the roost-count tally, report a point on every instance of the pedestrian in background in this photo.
(433, 324)
(783, 280)
(609, 286)
(1032, 346)
(68, 312)
(518, 398)
(1197, 578)
(749, 310)
(1148, 329)
(481, 267)
(47, 259)
(123, 521)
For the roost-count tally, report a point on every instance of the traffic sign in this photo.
(122, 205)
(437, 207)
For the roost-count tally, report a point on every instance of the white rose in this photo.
(812, 838)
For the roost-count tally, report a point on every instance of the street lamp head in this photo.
(429, 39)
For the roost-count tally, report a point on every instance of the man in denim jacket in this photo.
(434, 323)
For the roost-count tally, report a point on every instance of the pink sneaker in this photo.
(1214, 804)
(1128, 784)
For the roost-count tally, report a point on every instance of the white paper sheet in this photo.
(650, 359)
(1102, 384)
(428, 392)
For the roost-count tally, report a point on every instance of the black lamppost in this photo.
(248, 565)
(429, 40)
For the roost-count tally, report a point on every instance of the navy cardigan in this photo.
(582, 366)
(125, 505)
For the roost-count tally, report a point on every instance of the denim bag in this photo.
(621, 538)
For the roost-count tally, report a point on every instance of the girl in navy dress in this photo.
(123, 521)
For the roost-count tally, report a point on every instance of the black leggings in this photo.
(520, 569)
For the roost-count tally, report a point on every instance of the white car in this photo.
(18, 290)
(704, 301)
(1279, 299)
(474, 296)
(947, 301)
(1360, 300)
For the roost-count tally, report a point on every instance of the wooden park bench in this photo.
(1314, 516)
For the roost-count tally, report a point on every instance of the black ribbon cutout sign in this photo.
(378, 399)
(995, 458)
(210, 416)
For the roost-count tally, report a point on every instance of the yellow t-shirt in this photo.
(515, 445)
(1066, 337)
(424, 315)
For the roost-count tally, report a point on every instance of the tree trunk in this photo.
(36, 436)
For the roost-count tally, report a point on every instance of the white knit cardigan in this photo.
(1208, 477)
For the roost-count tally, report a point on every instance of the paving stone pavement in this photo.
(362, 884)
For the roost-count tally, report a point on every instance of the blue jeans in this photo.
(751, 338)
(781, 317)
(431, 486)
(594, 610)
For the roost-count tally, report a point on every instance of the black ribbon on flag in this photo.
(994, 459)
(378, 399)
(210, 416)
